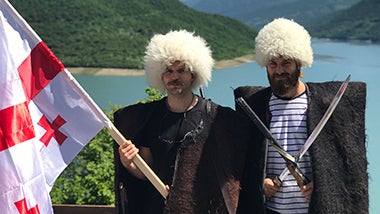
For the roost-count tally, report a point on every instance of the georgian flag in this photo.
(46, 118)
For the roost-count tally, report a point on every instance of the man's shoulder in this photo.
(137, 107)
(213, 107)
(247, 92)
(335, 84)
(129, 119)
(355, 90)
(136, 112)
(221, 113)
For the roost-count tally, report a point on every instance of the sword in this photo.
(289, 159)
(278, 180)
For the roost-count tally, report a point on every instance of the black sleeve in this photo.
(130, 192)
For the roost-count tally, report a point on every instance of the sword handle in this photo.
(300, 177)
(296, 172)
(277, 181)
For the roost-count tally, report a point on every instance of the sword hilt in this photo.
(277, 181)
(300, 177)
(296, 172)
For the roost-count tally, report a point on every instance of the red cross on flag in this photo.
(46, 118)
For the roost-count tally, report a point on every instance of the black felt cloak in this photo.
(207, 179)
(338, 155)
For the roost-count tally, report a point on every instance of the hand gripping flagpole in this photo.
(140, 163)
(119, 138)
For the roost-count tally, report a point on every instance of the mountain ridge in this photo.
(257, 13)
(344, 20)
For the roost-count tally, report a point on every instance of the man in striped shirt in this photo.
(290, 109)
(283, 47)
(287, 107)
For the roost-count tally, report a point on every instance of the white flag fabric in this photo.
(46, 118)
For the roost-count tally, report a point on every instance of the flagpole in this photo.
(116, 135)
(141, 164)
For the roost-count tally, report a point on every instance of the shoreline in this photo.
(228, 63)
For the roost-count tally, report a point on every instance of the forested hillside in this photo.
(114, 33)
(257, 13)
(360, 22)
(334, 19)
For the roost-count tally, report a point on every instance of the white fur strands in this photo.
(286, 38)
(180, 45)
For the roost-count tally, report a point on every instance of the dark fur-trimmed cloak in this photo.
(208, 172)
(338, 154)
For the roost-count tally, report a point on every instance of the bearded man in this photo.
(335, 164)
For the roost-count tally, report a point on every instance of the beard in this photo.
(281, 87)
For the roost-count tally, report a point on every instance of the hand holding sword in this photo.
(318, 128)
(290, 161)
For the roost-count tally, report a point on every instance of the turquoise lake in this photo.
(332, 61)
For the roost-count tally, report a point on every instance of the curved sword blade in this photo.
(253, 116)
(320, 125)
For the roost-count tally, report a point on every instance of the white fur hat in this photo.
(283, 37)
(180, 45)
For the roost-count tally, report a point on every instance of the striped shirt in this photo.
(288, 126)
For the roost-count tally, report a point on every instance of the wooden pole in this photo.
(140, 163)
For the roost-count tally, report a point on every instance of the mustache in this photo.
(175, 82)
(281, 75)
